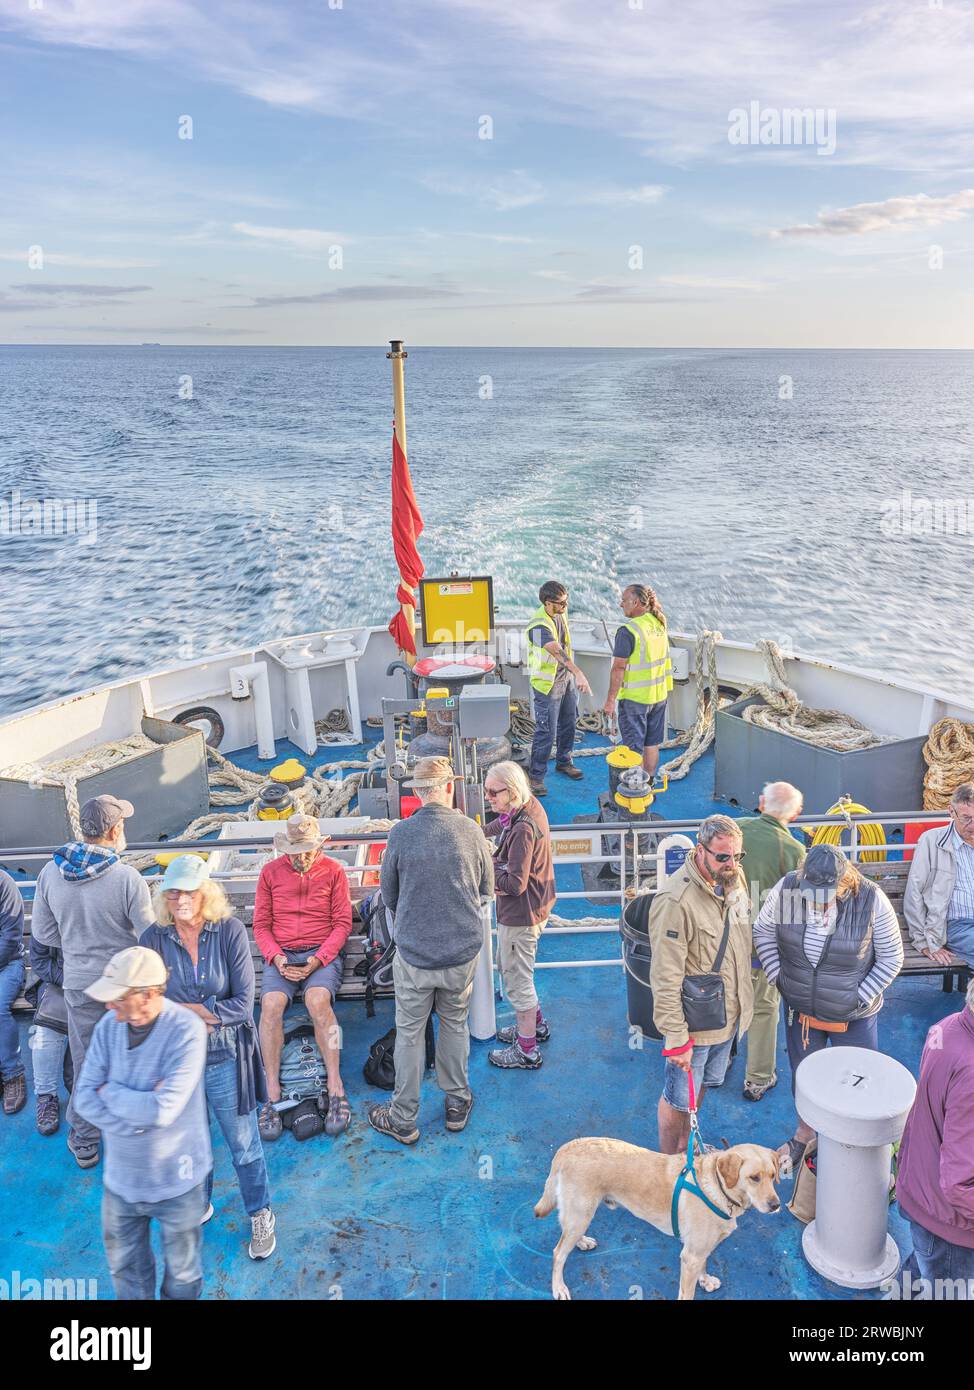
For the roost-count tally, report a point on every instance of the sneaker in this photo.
(86, 1151)
(538, 788)
(269, 1123)
(457, 1113)
(48, 1113)
(570, 770)
(756, 1090)
(207, 1215)
(380, 1118)
(263, 1241)
(510, 1034)
(515, 1056)
(339, 1114)
(14, 1094)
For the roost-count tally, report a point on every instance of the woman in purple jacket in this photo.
(935, 1172)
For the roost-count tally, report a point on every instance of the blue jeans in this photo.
(11, 980)
(935, 1258)
(125, 1228)
(709, 1066)
(960, 938)
(861, 1032)
(241, 1134)
(553, 716)
(47, 1048)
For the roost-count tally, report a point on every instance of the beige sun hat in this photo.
(300, 835)
(431, 772)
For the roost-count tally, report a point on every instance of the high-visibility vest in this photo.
(649, 671)
(542, 666)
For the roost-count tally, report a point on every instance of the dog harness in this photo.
(688, 1177)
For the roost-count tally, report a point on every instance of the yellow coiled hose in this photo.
(868, 832)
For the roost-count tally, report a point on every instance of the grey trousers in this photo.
(418, 992)
(83, 1013)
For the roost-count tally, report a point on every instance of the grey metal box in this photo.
(888, 777)
(485, 711)
(167, 785)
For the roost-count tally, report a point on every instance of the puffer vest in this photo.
(829, 990)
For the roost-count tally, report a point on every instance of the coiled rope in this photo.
(949, 755)
(783, 712)
(868, 832)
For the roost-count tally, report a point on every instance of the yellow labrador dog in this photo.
(586, 1172)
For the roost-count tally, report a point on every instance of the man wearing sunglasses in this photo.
(938, 902)
(555, 679)
(702, 908)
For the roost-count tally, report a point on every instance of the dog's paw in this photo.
(561, 1293)
(709, 1282)
(586, 1243)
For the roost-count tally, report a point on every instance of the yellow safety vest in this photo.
(649, 671)
(542, 666)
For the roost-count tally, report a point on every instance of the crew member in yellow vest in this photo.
(555, 681)
(642, 674)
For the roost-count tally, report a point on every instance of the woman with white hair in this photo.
(524, 879)
(211, 972)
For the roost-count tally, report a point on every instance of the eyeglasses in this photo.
(173, 893)
(495, 791)
(560, 603)
(725, 858)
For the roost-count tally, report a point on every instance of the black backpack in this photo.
(380, 1068)
(379, 949)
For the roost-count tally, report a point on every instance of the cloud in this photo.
(503, 192)
(611, 196)
(47, 287)
(915, 209)
(354, 293)
(709, 282)
(300, 238)
(82, 262)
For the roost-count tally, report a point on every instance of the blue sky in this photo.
(608, 207)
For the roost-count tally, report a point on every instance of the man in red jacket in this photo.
(302, 919)
(935, 1170)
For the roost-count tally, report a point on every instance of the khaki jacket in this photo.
(685, 925)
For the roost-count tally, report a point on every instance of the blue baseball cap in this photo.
(186, 871)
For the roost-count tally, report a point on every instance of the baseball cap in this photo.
(186, 871)
(824, 865)
(101, 813)
(134, 968)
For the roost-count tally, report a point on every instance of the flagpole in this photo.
(397, 357)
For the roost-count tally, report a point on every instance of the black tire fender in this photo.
(199, 713)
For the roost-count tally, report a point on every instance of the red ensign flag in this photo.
(407, 527)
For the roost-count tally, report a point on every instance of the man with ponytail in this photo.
(642, 674)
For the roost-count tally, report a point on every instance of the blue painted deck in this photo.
(363, 1217)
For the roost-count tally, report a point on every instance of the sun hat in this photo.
(137, 967)
(431, 772)
(300, 835)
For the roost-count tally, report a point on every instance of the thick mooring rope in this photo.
(783, 712)
(949, 755)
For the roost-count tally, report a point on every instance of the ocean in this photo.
(159, 503)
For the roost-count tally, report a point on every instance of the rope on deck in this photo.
(949, 755)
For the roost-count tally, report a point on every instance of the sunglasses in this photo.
(494, 791)
(725, 858)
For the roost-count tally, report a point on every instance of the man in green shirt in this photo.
(772, 851)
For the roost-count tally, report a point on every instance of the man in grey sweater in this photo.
(89, 905)
(437, 877)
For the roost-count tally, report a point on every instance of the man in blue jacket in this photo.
(11, 982)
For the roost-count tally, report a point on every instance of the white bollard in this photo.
(857, 1100)
(483, 1019)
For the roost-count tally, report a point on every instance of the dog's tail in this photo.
(549, 1198)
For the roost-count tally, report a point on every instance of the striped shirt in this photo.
(962, 898)
(887, 941)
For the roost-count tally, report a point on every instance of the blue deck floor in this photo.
(363, 1217)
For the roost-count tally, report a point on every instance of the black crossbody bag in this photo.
(702, 996)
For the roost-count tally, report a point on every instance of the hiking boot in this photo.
(263, 1241)
(457, 1113)
(510, 1033)
(48, 1113)
(207, 1215)
(538, 788)
(570, 770)
(339, 1114)
(380, 1118)
(86, 1151)
(269, 1123)
(515, 1056)
(757, 1090)
(14, 1094)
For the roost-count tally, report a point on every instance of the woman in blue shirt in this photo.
(211, 972)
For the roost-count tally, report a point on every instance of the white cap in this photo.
(134, 968)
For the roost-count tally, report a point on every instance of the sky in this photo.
(477, 172)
